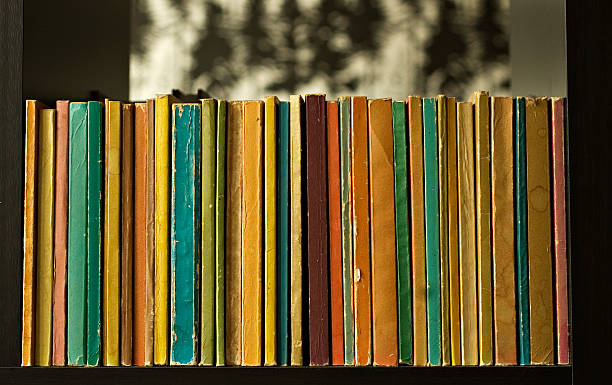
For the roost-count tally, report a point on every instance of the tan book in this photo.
(127, 231)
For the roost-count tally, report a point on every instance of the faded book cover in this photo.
(127, 231)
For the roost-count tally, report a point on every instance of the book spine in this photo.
(233, 234)
(335, 246)
(252, 234)
(361, 234)
(559, 227)
(127, 232)
(77, 236)
(520, 231)
(467, 234)
(149, 316)
(402, 234)
(417, 227)
(344, 105)
(316, 196)
(432, 228)
(483, 226)
(502, 205)
(295, 153)
(112, 199)
(220, 235)
(44, 245)
(94, 230)
(185, 233)
(60, 233)
(270, 129)
(207, 295)
(283, 239)
(382, 228)
(541, 306)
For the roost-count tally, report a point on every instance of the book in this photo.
(220, 234)
(295, 190)
(467, 234)
(417, 228)
(112, 210)
(44, 233)
(382, 230)
(76, 333)
(360, 198)
(233, 233)
(559, 227)
(94, 230)
(127, 231)
(252, 234)
(483, 226)
(316, 206)
(402, 234)
(185, 233)
(60, 233)
(541, 307)
(432, 228)
(207, 283)
(502, 206)
(344, 106)
(270, 132)
(284, 234)
(335, 246)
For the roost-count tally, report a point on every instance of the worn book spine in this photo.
(502, 207)
(233, 233)
(44, 242)
(270, 132)
(344, 106)
(361, 234)
(295, 190)
(467, 234)
(127, 231)
(112, 199)
(252, 234)
(60, 233)
(382, 230)
(559, 229)
(520, 232)
(94, 230)
(149, 335)
(335, 245)
(283, 236)
(185, 234)
(220, 235)
(453, 234)
(541, 323)
(483, 226)
(417, 228)
(76, 335)
(316, 205)
(432, 228)
(207, 294)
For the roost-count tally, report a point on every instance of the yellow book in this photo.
(271, 103)
(112, 246)
(44, 256)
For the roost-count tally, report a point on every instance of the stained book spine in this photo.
(220, 235)
(127, 232)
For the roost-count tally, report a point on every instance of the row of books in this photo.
(310, 232)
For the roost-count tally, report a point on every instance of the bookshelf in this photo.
(37, 60)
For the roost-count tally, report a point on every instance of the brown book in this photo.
(127, 231)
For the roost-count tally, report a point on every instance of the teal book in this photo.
(94, 229)
(220, 235)
(77, 235)
(346, 235)
(283, 234)
(520, 228)
(432, 231)
(402, 234)
(185, 234)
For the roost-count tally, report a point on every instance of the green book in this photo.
(520, 228)
(402, 234)
(283, 234)
(220, 235)
(77, 235)
(432, 236)
(94, 229)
